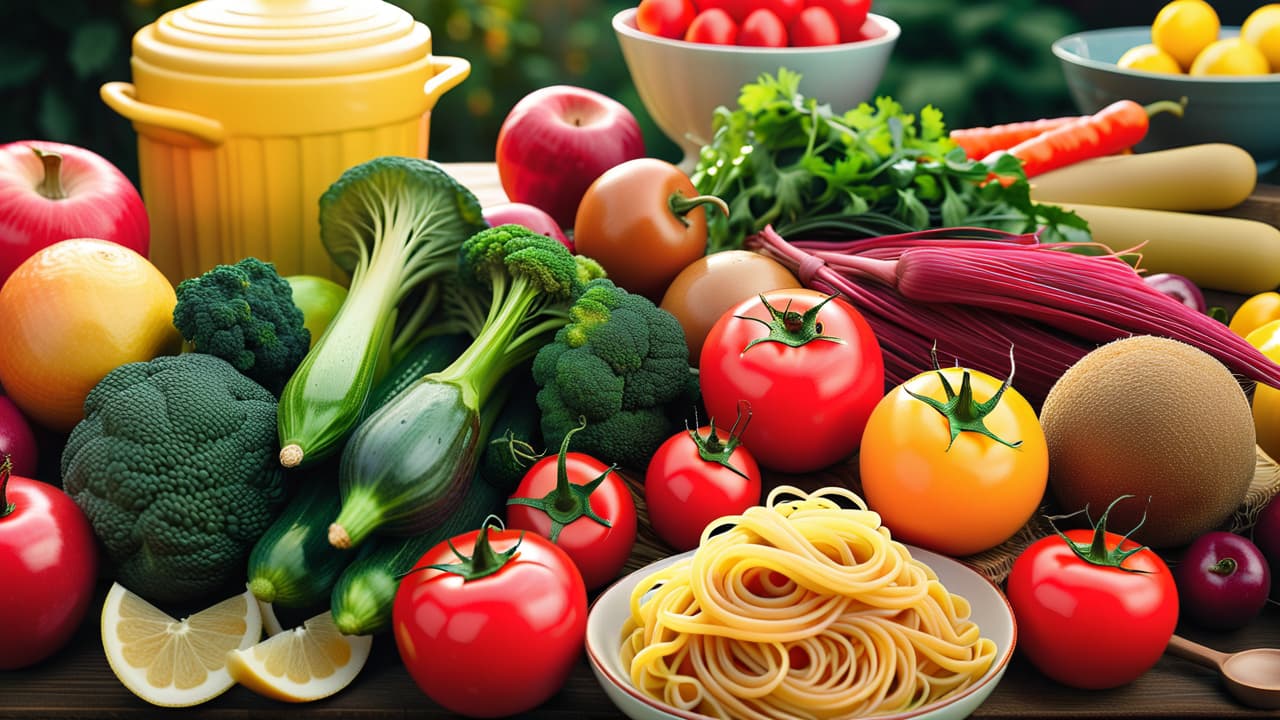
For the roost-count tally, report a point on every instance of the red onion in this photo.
(1179, 288)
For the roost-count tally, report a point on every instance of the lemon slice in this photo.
(270, 623)
(175, 663)
(304, 664)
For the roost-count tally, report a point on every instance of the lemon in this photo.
(304, 664)
(1183, 28)
(1149, 58)
(1262, 28)
(1230, 56)
(270, 624)
(175, 663)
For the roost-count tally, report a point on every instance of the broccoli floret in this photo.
(244, 314)
(174, 465)
(621, 363)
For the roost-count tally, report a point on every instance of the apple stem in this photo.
(680, 205)
(51, 185)
(6, 466)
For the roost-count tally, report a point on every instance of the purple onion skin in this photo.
(534, 218)
(1179, 288)
(1223, 581)
(1266, 535)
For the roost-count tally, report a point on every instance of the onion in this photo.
(1179, 288)
(534, 218)
(1223, 581)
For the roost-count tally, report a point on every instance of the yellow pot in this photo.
(247, 110)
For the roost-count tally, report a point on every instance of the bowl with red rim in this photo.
(682, 83)
(989, 609)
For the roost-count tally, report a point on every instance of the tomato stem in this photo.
(51, 184)
(961, 410)
(710, 447)
(484, 560)
(567, 502)
(1096, 552)
(789, 327)
(6, 468)
(681, 206)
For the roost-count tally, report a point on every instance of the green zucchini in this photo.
(293, 565)
(362, 599)
(431, 354)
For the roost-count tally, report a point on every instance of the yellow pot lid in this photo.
(282, 38)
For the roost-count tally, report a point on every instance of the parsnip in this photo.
(1216, 253)
(1210, 176)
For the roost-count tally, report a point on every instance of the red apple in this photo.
(51, 191)
(557, 140)
(529, 216)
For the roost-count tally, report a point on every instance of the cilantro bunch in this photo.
(785, 160)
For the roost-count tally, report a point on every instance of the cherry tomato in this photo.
(714, 26)
(49, 562)
(808, 365)
(764, 29)
(581, 505)
(695, 477)
(665, 18)
(496, 632)
(786, 10)
(1256, 311)
(850, 17)
(737, 10)
(954, 461)
(644, 222)
(1094, 610)
(814, 26)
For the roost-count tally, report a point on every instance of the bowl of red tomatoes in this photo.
(688, 57)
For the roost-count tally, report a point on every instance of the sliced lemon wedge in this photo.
(175, 663)
(303, 664)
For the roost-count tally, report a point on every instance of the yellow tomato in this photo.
(1266, 399)
(71, 313)
(1230, 56)
(1255, 312)
(1185, 27)
(1149, 58)
(1262, 28)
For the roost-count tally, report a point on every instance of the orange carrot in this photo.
(1114, 128)
(979, 142)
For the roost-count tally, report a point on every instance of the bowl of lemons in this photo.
(1229, 76)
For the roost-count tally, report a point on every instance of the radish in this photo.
(16, 439)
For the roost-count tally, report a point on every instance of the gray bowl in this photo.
(1240, 110)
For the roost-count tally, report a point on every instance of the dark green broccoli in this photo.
(622, 363)
(175, 466)
(244, 314)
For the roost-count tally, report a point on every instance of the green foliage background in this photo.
(981, 62)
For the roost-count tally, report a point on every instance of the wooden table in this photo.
(77, 682)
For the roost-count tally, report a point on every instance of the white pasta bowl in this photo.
(990, 610)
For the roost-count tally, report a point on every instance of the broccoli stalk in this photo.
(244, 313)
(408, 464)
(396, 225)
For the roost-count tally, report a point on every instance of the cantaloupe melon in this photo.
(1150, 417)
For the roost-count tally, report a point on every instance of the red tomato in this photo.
(808, 365)
(666, 18)
(950, 470)
(850, 15)
(713, 26)
(812, 27)
(736, 9)
(644, 222)
(49, 562)
(497, 634)
(764, 29)
(695, 477)
(1090, 619)
(581, 505)
(786, 10)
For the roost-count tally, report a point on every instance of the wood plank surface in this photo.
(77, 682)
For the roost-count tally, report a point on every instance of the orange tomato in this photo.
(1255, 312)
(938, 480)
(70, 314)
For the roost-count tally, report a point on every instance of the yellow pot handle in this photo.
(446, 73)
(122, 97)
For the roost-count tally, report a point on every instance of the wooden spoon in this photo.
(1252, 676)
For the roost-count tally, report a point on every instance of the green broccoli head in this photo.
(515, 251)
(175, 467)
(244, 314)
(623, 365)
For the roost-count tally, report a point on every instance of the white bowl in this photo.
(989, 609)
(682, 83)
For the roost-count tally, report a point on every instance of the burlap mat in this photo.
(994, 563)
